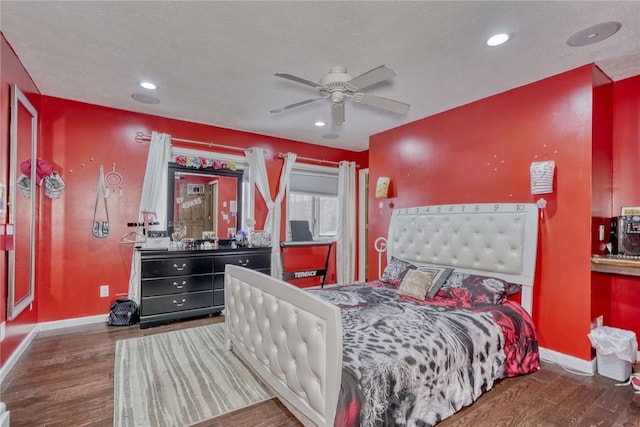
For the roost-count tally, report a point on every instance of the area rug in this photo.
(180, 378)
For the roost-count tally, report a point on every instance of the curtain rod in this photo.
(142, 137)
(311, 159)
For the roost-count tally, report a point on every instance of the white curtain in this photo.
(255, 156)
(345, 247)
(154, 197)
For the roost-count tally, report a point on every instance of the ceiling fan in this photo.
(338, 85)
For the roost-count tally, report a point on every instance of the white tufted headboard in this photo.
(496, 239)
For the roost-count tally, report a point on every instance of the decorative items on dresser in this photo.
(179, 284)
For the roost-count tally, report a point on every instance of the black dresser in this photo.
(180, 284)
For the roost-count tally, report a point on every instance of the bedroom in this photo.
(494, 157)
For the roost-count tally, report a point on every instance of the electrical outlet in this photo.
(104, 291)
(2, 331)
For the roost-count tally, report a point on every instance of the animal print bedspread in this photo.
(418, 363)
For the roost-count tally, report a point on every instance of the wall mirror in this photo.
(207, 201)
(22, 203)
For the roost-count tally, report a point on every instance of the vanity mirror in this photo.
(22, 204)
(206, 202)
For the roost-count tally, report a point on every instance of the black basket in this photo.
(123, 312)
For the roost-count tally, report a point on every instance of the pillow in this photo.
(513, 289)
(394, 271)
(475, 289)
(416, 283)
(441, 274)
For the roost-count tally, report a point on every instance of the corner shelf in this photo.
(627, 267)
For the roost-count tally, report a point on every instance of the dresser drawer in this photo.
(174, 303)
(176, 285)
(218, 278)
(179, 266)
(218, 298)
(249, 260)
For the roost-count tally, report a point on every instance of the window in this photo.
(313, 196)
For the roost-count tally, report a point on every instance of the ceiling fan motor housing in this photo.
(336, 83)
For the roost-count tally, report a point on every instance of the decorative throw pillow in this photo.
(441, 274)
(416, 283)
(475, 289)
(394, 271)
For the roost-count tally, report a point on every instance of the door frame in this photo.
(363, 223)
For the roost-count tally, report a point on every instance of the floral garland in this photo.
(204, 162)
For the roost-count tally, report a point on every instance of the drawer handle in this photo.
(180, 268)
(179, 304)
(184, 282)
(243, 264)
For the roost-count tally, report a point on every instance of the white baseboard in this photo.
(570, 362)
(15, 356)
(4, 419)
(68, 323)
(45, 326)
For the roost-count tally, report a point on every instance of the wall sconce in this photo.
(382, 189)
(542, 179)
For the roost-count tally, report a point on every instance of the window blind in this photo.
(313, 182)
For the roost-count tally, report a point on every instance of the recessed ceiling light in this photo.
(497, 39)
(145, 99)
(148, 85)
(594, 34)
(331, 136)
(320, 123)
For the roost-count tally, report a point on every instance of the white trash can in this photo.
(616, 351)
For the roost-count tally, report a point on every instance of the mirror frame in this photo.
(19, 100)
(174, 167)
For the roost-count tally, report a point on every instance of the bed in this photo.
(373, 354)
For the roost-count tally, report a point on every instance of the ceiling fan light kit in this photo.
(338, 84)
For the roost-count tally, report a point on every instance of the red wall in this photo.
(11, 71)
(625, 290)
(481, 152)
(77, 138)
(227, 192)
(601, 187)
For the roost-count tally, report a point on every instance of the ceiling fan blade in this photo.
(337, 113)
(383, 103)
(298, 79)
(296, 104)
(372, 77)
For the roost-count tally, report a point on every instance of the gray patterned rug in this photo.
(180, 378)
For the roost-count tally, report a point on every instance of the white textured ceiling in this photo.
(214, 61)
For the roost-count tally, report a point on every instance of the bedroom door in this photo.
(194, 208)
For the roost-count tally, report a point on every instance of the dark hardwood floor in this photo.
(65, 378)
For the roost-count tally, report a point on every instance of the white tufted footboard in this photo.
(290, 338)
